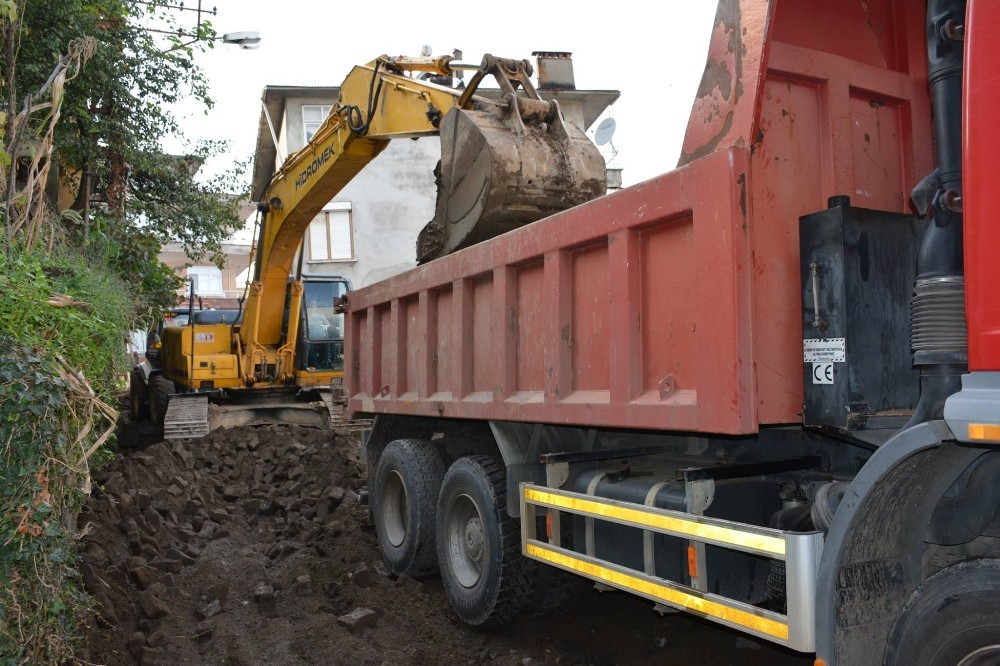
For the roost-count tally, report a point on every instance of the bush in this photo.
(66, 304)
(57, 314)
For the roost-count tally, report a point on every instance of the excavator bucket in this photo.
(513, 163)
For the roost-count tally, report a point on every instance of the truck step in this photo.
(186, 417)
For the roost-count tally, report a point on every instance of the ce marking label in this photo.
(822, 373)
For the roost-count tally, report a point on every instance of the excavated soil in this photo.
(252, 546)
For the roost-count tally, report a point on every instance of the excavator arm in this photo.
(504, 163)
(381, 104)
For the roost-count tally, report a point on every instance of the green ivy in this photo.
(61, 312)
(40, 484)
(92, 333)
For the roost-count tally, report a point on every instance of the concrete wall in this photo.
(386, 226)
(291, 137)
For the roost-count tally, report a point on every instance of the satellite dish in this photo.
(605, 131)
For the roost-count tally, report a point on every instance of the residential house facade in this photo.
(215, 287)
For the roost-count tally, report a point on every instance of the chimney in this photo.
(555, 70)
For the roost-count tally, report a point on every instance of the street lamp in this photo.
(245, 39)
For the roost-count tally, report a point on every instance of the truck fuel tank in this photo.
(730, 573)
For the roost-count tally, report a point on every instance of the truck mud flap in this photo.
(799, 551)
(186, 417)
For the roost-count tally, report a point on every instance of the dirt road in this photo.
(252, 546)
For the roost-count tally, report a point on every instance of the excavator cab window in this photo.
(154, 337)
(322, 337)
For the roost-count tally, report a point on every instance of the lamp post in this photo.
(244, 39)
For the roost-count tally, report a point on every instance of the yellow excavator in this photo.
(505, 162)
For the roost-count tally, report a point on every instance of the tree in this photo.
(113, 120)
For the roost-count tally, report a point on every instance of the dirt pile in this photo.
(193, 547)
(252, 546)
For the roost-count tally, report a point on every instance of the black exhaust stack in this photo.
(938, 332)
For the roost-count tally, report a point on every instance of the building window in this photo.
(207, 280)
(313, 116)
(331, 237)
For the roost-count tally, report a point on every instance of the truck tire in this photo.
(485, 577)
(553, 588)
(137, 399)
(952, 619)
(404, 498)
(160, 390)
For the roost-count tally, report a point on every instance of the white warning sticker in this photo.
(826, 350)
(204, 337)
(822, 373)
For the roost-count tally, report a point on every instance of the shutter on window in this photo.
(207, 280)
(317, 239)
(216, 276)
(340, 234)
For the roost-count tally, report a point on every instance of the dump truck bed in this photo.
(595, 316)
(674, 304)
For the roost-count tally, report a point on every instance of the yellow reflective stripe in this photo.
(763, 543)
(984, 432)
(691, 602)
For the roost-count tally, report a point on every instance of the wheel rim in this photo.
(395, 509)
(984, 656)
(467, 546)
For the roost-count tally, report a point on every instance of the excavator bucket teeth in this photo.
(187, 416)
(499, 172)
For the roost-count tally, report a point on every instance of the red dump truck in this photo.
(763, 387)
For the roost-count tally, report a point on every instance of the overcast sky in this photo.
(652, 53)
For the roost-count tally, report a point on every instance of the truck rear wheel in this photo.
(404, 497)
(160, 390)
(953, 619)
(485, 577)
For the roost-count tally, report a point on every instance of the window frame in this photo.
(207, 273)
(325, 216)
(324, 112)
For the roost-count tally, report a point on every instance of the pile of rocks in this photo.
(261, 495)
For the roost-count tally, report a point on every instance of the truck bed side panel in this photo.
(630, 311)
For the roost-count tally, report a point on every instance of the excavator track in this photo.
(338, 421)
(186, 417)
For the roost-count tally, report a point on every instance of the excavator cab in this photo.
(321, 331)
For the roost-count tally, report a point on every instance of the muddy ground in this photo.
(252, 546)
